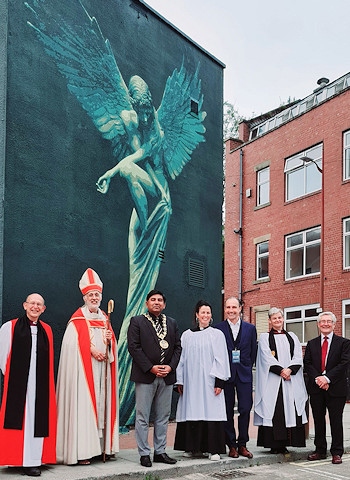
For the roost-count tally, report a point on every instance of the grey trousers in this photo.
(161, 394)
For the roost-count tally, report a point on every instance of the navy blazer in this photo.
(143, 346)
(247, 347)
(336, 367)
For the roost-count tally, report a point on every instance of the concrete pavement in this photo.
(127, 466)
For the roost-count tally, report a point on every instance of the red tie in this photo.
(324, 354)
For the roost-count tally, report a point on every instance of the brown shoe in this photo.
(316, 456)
(337, 459)
(245, 452)
(233, 453)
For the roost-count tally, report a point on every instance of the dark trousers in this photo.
(245, 402)
(320, 403)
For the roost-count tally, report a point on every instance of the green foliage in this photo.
(231, 121)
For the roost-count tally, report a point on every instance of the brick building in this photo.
(287, 225)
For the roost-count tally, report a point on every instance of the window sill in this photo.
(313, 276)
(261, 280)
(259, 207)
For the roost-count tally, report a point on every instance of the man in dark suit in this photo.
(155, 347)
(325, 362)
(241, 347)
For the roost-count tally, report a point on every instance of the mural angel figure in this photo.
(149, 144)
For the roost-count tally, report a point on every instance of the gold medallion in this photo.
(164, 344)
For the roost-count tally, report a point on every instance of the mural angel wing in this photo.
(181, 119)
(86, 59)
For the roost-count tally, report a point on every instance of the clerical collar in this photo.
(278, 332)
(197, 328)
(31, 323)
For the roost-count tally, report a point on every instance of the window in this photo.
(262, 260)
(346, 318)
(303, 177)
(346, 243)
(261, 320)
(303, 253)
(346, 155)
(263, 186)
(302, 321)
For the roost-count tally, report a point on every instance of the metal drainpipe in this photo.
(240, 224)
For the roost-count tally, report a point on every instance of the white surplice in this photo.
(268, 383)
(203, 358)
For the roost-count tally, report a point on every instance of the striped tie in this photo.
(159, 331)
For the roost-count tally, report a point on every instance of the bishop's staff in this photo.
(110, 309)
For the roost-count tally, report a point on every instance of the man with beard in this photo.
(87, 420)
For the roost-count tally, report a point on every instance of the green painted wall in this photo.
(55, 223)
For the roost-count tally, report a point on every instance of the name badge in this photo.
(236, 356)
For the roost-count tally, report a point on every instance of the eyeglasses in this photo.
(325, 322)
(35, 304)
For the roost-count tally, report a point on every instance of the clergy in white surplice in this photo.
(280, 392)
(200, 375)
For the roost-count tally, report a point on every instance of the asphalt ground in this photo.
(126, 464)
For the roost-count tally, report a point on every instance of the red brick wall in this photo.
(324, 124)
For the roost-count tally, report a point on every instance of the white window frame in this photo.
(303, 245)
(261, 184)
(346, 243)
(302, 319)
(306, 170)
(346, 155)
(345, 317)
(260, 256)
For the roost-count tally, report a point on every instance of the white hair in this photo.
(322, 314)
(275, 310)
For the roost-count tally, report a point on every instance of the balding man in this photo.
(28, 409)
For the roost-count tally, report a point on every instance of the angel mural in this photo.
(149, 145)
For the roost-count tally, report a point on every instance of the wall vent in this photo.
(196, 273)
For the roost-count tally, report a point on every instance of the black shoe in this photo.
(32, 471)
(163, 458)
(145, 461)
(283, 450)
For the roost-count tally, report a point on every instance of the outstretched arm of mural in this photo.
(126, 168)
(139, 182)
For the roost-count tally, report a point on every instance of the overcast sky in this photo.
(273, 49)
